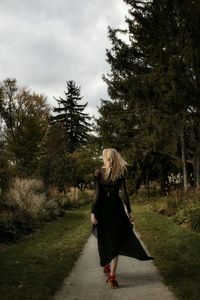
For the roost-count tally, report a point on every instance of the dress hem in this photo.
(121, 253)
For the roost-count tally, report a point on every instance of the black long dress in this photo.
(114, 231)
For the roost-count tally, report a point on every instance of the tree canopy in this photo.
(154, 84)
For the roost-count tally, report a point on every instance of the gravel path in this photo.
(138, 280)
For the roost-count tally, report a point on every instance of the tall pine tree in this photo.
(155, 76)
(71, 115)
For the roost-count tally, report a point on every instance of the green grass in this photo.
(176, 251)
(35, 267)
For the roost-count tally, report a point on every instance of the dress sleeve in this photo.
(96, 193)
(125, 197)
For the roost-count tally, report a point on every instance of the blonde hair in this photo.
(114, 163)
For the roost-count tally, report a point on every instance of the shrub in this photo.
(182, 216)
(190, 216)
(172, 205)
(25, 195)
(194, 217)
(184, 209)
(85, 196)
(52, 209)
(159, 206)
(8, 230)
(193, 210)
(23, 204)
(55, 206)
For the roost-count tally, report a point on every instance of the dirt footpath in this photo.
(138, 280)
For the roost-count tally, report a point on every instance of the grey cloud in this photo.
(44, 43)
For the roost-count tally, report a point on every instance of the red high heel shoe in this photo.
(106, 269)
(112, 281)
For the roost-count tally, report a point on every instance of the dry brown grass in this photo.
(27, 195)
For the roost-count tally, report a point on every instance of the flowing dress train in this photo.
(114, 232)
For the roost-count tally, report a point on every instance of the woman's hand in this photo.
(93, 219)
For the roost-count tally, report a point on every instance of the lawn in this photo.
(35, 267)
(176, 251)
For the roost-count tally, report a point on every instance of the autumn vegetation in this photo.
(45, 158)
(48, 154)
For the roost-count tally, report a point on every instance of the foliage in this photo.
(70, 114)
(54, 164)
(26, 195)
(183, 208)
(25, 117)
(61, 168)
(8, 230)
(56, 205)
(154, 88)
(85, 161)
(4, 171)
(68, 152)
(194, 218)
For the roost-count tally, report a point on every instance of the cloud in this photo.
(44, 43)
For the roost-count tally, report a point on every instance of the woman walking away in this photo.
(111, 221)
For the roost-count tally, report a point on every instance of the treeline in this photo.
(47, 155)
(152, 117)
(154, 85)
(39, 141)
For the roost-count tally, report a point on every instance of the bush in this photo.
(183, 208)
(52, 209)
(173, 204)
(182, 216)
(193, 210)
(160, 206)
(194, 218)
(190, 216)
(22, 206)
(8, 230)
(25, 195)
(57, 203)
(85, 196)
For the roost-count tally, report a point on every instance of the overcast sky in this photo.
(43, 43)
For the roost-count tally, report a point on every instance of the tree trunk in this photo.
(183, 155)
(75, 195)
(196, 167)
(77, 199)
(147, 183)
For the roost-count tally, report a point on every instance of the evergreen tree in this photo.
(155, 76)
(55, 164)
(70, 114)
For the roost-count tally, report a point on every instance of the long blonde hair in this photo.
(114, 163)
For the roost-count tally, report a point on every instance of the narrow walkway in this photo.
(138, 280)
